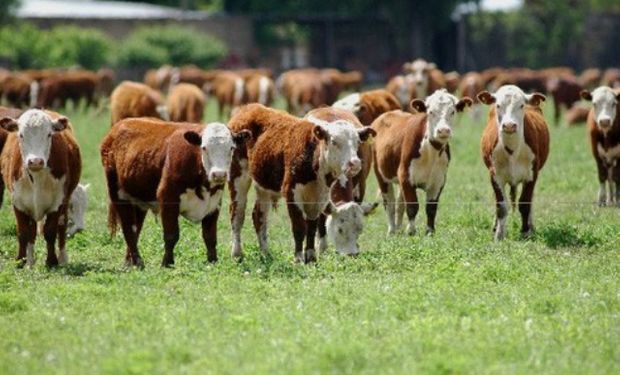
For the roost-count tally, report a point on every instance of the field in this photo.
(453, 303)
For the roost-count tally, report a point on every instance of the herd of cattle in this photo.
(316, 155)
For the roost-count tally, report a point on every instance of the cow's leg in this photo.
(311, 226)
(501, 210)
(209, 235)
(387, 194)
(556, 113)
(400, 209)
(170, 224)
(525, 208)
(50, 231)
(63, 219)
(26, 234)
(322, 230)
(432, 203)
(411, 204)
(611, 195)
(260, 214)
(127, 215)
(298, 226)
(616, 180)
(602, 180)
(239, 185)
(1, 187)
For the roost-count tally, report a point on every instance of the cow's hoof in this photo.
(51, 262)
(430, 231)
(310, 256)
(299, 258)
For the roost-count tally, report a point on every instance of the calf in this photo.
(174, 168)
(77, 209)
(41, 166)
(186, 103)
(134, 99)
(292, 158)
(413, 150)
(12, 113)
(604, 131)
(515, 146)
(426, 77)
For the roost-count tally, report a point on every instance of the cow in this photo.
(402, 87)
(426, 77)
(12, 113)
(471, 84)
(171, 168)
(590, 78)
(18, 90)
(334, 82)
(186, 103)
(565, 91)
(57, 90)
(302, 89)
(515, 146)
(344, 224)
(227, 88)
(41, 166)
(77, 209)
(134, 99)
(293, 158)
(259, 89)
(368, 105)
(604, 132)
(453, 80)
(413, 150)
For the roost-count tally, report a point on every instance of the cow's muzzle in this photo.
(35, 164)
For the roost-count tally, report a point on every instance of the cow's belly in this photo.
(143, 205)
(39, 196)
(311, 198)
(513, 169)
(429, 175)
(195, 209)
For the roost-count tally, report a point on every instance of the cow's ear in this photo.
(192, 138)
(486, 97)
(585, 95)
(60, 124)
(535, 99)
(241, 137)
(418, 105)
(365, 133)
(463, 103)
(8, 124)
(320, 133)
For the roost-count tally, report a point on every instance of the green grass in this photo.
(453, 303)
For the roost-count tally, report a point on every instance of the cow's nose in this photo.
(444, 132)
(354, 166)
(509, 127)
(605, 123)
(36, 164)
(219, 176)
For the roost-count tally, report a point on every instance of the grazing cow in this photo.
(413, 150)
(515, 146)
(174, 168)
(57, 90)
(134, 99)
(590, 78)
(186, 103)
(41, 167)
(302, 89)
(259, 89)
(345, 225)
(227, 87)
(368, 105)
(604, 131)
(565, 92)
(292, 158)
(402, 87)
(77, 209)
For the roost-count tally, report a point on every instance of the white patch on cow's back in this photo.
(40, 195)
(349, 103)
(513, 169)
(195, 209)
(428, 172)
(263, 90)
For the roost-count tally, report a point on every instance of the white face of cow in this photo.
(604, 102)
(341, 142)
(35, 129)
(349, 103)
(440, 109)
(217, 144)
(510, 104)
(419, 74)
(344, 226)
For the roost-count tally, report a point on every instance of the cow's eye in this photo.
(204, 148)
(334, 143)
(522, 106)
(49, 135)
(21, 136)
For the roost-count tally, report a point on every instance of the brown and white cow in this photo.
(302, 89)
(186, 103)
(41, 166)
(292, 158)
(403, 88)
(425, 76)
(259, 89)
(227, 88)
(12, 113)
(368, 105)
(604, 132)
(134, 99)
(515, 146)
(413, 150)
(174, 168)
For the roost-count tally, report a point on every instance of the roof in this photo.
(101, 9)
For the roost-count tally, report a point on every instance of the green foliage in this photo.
(7, 7)
(288, 33)
(23, 45)
(175, 45)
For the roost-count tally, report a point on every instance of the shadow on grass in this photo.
(81, 268)
(566, 235)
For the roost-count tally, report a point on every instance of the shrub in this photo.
(70, 45)
(23, 45)
(154, 46)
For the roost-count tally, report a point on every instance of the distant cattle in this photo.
(18, 90)
(604, 132)
(56, 91)
(259, 89)
(134, 99)
(368, 105)
(577, 114)
(470, 85)
(413, 150)
(590, 78)
(292, 158)
(41, 166)
(565, 92)
(403, 88)
(186, 103)
(425, 76)
(611, 78)
(302, 89)
(228, 90)
(171, 168)
(515, 146)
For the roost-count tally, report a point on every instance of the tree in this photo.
(7, 7)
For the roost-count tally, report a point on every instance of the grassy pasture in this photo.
(453, 303)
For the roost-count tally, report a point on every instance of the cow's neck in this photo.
(433, 145)
(511, 143)
(323, 174)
